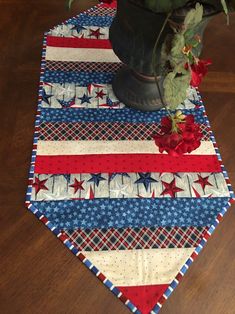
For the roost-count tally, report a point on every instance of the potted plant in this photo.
(156, 40)
(159, 43)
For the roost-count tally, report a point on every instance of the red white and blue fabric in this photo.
(135, 217)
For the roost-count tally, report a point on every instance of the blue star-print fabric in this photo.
(107, 115)
(118, 213)
(81, 78)
(87, 20)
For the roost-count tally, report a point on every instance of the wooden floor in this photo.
(38, 274)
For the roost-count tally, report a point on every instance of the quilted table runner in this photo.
(137, 218)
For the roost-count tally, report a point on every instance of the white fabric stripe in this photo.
(81, 54)
(140, 267)
(110, 147)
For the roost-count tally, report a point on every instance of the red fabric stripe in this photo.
(113, 4)
(144, 297)
(71, 42)
(126, 163)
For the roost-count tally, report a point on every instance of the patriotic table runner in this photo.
(135, 217)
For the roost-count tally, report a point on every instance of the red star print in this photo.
(96, 33)
(196, 192)
(39, 185)
(203, 181)
(91, 194)
(100, 94)
(77, 185)
(170, 188)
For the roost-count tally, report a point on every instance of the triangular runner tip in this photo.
(144, 297)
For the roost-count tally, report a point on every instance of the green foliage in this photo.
(225, 8)
(176, 56)
(175, 87)
(194, 17)
(224, 4)
(69, 3)
(178, 79)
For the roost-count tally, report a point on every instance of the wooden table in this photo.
(38, 274)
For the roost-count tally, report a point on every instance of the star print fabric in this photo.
(132, 215)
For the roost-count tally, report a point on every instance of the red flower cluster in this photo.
(186, 139)
(198, 71)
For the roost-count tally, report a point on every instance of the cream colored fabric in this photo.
(140, 267)
(81, 54)
(109, 147)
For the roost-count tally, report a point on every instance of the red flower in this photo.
(166, 124)
(186, 139)
(198, 71)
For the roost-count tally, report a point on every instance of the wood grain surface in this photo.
(38, 274)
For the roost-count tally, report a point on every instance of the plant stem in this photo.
(154, 63)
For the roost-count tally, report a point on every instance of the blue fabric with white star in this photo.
(88, 20)
(107, 115)
(81, 78)
(119, 213)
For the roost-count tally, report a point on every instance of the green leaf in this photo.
(224, 5)
(189, 34)
(193, 42)
(70, 3)
(176, 55)
(175, 88)
(191, 58)
(193, 17)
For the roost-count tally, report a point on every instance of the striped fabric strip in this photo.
(123, 213)
(76, 31)
(81, 78)
(112, 5)
(126, 163)
(106, 115)
(69, 42)
(81, 54)
(73, 95)
(135, 238)
(83, 66)
(102, 11)
(121, 266)
(128, 185)
(103, 131)
(87, 20)
(67, 148)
